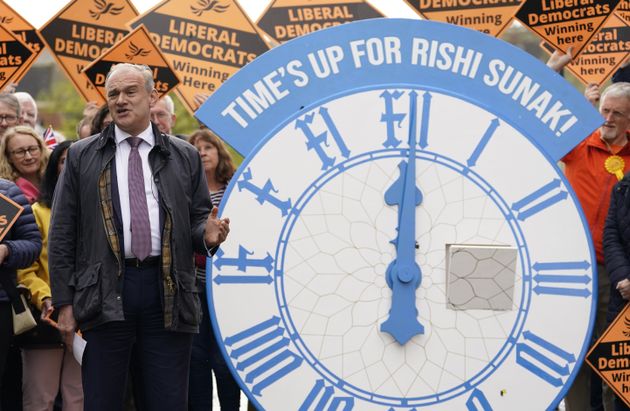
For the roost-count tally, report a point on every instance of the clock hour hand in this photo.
(403, 275)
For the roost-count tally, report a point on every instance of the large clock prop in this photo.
(401, 236)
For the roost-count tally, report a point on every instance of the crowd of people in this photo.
(126, 168)
(137, 299)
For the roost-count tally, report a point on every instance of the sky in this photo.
(38, 12)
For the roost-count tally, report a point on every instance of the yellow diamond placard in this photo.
(13, 55)
(603, 55)
(206, 41)
(22, 29)
(623, 10)
(490, 17)
(81, 32)
(610, 356)
(566, 23)
(135, 48)
(287, 19)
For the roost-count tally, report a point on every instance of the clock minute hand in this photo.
(403, 274)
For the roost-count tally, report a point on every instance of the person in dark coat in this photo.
(130, 288)
(19, 248)
(617, 254)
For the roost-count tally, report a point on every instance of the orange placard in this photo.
(9, 213)
(566, 23)
(603, 55)
(287, 19)
(206, 41)
(13, 55)
(623, 10)
(610, 356)
(81, 32)
(136, 48)
(490, 17)
(23, 30)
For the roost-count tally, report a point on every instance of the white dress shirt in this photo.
(122, 176)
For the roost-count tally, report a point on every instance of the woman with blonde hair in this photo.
(206, 356)
(23, 159)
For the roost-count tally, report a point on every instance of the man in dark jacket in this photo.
(130, 208)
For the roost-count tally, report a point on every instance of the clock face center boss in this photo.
(400, 240)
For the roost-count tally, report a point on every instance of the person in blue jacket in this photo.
(19, 248)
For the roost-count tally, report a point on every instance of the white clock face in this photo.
(304, 271)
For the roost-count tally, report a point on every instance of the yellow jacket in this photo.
(36, 277)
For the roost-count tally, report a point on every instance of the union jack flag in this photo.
(49, 138)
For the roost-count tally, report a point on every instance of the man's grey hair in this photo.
(620, 89)
(24, 96)
(11, 101)
(143, 69)
(170, 105)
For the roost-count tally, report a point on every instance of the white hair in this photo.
(170, 106)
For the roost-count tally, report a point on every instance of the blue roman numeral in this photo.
(424, 125)
(492, 127)
(262, 352)
(478, 401)
(539, 200)
(563, 278)
(317, 142)
(242, 262)
(327, 401)
(542, 358)
(263, 194)
(391, 119)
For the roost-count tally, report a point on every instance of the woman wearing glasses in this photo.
(23, 159)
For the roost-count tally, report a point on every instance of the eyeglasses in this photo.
(9, 118)
(20, 153)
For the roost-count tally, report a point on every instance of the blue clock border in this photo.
(262, 142)
(245, 138)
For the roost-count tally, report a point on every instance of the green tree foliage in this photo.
(61, 106)
(186, 124)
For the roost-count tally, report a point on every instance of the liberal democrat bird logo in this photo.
(209, 5)
(6, 19)
(136, 51)
(104, 7)
(626, 332)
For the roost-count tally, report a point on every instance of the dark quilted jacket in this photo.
(617, 243)
(24, 240)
